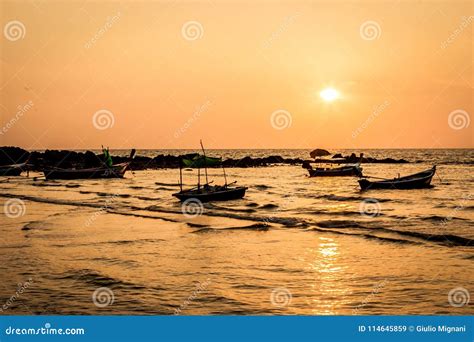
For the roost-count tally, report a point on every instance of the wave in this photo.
(437, 218)
(262, 186)
(243, 210)
(167, 184)
(339, 198)
(269, 206)
(447, 239)
(164, 188)
(97, 280)
(288, 222)
(33, 225)
(146, 198)
(369, 236)
(340, 224)
(444, 239)
(335, 213)
(253, 227)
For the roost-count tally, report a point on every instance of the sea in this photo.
(293, 245)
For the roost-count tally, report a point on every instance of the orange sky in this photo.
(168, 73)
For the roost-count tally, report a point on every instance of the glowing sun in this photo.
(329, 94)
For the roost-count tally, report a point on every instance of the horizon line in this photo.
(248, 148)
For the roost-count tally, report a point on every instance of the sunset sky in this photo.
(238, 74)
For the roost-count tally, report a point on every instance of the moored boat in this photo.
(418, 180)
(207, 192)
(345, 170)
(13, 169)
(104, 171)
(114, 171)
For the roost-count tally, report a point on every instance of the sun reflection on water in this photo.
(330, 286)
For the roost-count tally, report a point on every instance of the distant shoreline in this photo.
(256, 149)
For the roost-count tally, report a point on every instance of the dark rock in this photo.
(13, 155)
(319, 152)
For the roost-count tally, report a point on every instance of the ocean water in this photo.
(293, 245)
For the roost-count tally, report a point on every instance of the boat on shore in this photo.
(418, 180)
(207, 192)
(104, 171)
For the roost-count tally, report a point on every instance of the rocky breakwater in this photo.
(37, 160)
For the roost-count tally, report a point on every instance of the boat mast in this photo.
(180, 175)
(225, 177)
(199, 178)
(205, 166)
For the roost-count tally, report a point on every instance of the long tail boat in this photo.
(105, 171)
(345, 170)
(207, 192)
(415, 181)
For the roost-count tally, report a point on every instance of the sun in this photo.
(329, 94)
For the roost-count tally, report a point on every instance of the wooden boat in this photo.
(114, 171)
(207, 192)
(12, 170)
(416, 181)
(345, 170)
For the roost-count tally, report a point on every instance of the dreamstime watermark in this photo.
(459, 297)
(103, 119)
(192, 208)
(287, 22)
(196, 115)
(102, 297)
(280, 297)
(465, 22)
(192, 30)
(369, 207)
(459, 119)
(377, 288)
(14, 208)
(21, 288)
(46, 330)
(199, 289)
(91, 219)
(370, 30)
(103, 30)
(281, 119)
(377, 110)
(14, 30)
(21, 110)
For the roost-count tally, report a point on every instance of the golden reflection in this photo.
(329, 287)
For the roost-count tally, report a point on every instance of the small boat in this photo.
(345, 170)
(416, 181)
(105, 171)
(114, 171)
(207, 192)
(12, 170)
